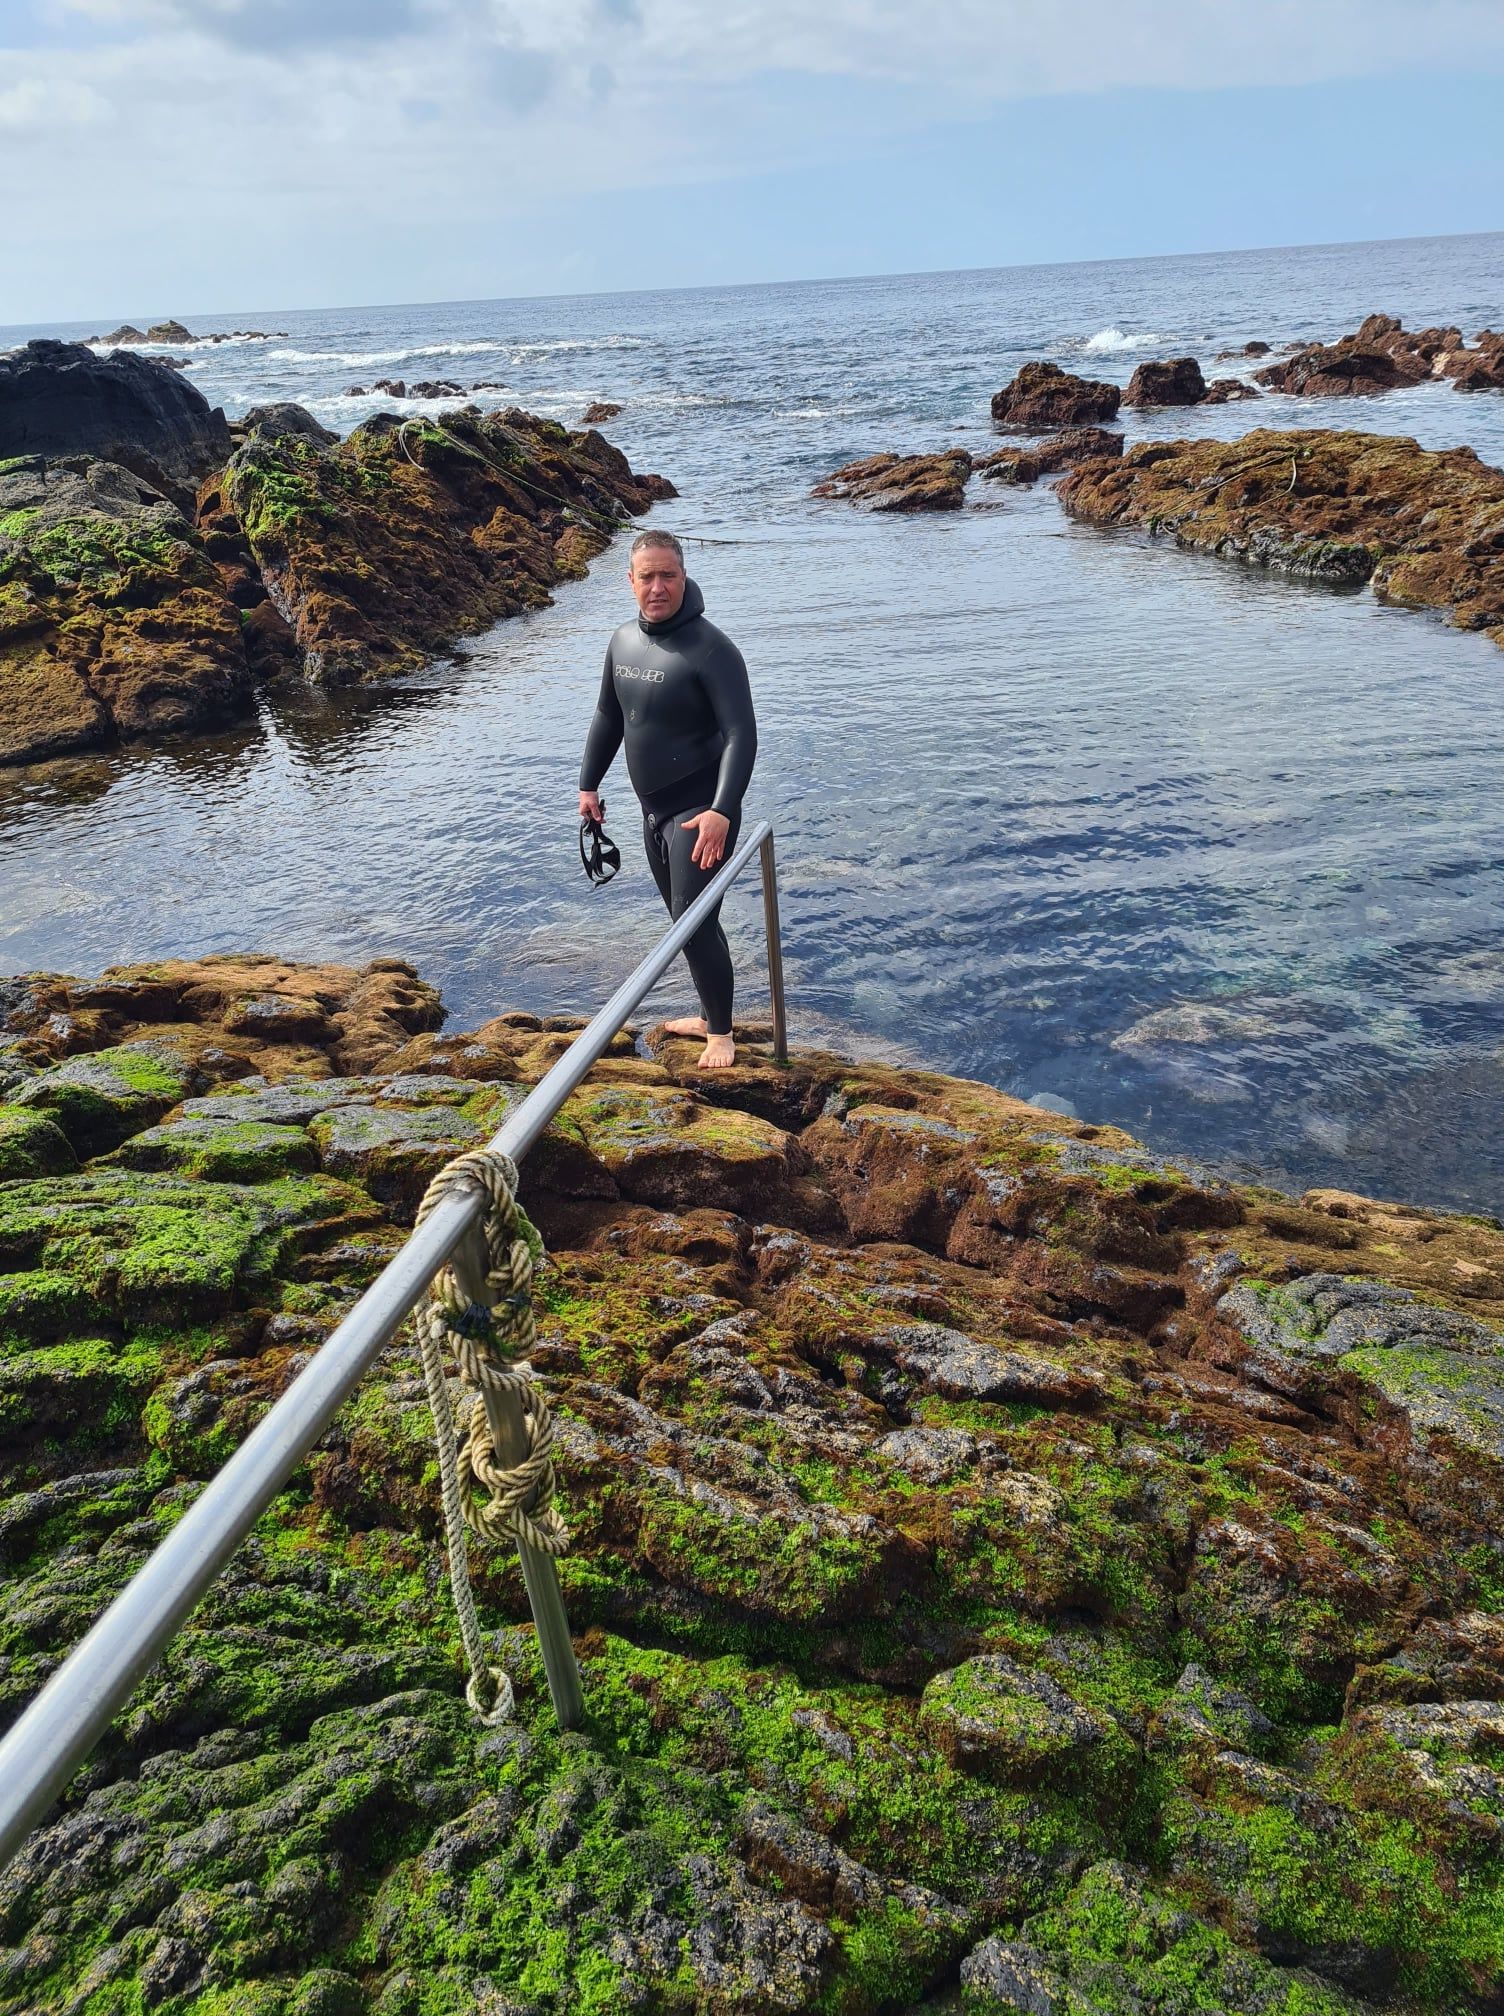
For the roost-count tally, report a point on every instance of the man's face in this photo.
(657, 579)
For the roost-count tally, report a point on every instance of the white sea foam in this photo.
(360, 357)
(578, 343)
(1107, 340)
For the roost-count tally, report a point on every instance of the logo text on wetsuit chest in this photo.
(644, 672)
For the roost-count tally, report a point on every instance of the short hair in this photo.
(646, 539)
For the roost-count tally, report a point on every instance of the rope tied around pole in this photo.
(489, 1340)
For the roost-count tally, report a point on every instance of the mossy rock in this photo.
(667, 1148)
(232, 1151)
(32, 1144)
(393, 1151)
(101, 1099)
(1115, 1947)
(1442, 1369)
(133, 1247)
(997, 1719)
(91, 1389)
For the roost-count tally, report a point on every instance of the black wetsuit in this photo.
(676, 692)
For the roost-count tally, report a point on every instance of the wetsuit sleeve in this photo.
(731, 698)
(603, 738)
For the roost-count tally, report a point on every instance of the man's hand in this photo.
(711, 829)
(592, 806)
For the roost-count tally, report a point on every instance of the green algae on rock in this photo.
(1003, 1555)
(378, 549)
(142, 596)
(114, 626)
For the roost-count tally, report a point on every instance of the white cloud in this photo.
(265, 125)
(42, 104)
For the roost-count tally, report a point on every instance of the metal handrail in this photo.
(57, 1730)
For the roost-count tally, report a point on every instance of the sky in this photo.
(213, 156)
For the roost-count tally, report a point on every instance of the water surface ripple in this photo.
(1217, 857)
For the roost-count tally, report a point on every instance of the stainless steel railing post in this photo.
(775, 949)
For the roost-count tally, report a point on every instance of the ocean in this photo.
(1215, 856)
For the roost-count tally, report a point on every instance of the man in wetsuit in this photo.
(675, 690)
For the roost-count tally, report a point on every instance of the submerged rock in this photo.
(902, 482)
(1060, 451)
(1425, 526)
(999, 1550)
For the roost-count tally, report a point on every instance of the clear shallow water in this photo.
(1217, 857)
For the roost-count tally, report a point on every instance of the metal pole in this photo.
(775, 949)
(61, 1725)
(539, 1572)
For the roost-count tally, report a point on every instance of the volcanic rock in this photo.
(377, 549)
(902, 482)
(283, 419)
(114, 624)
(169, 332)
(600, 410)
(126, 333)
(996, 1548)
(1061, 451)
(1043, 397)
(59, 399)
(1426, 527)
(1176, 383)
(1480, 370)
(1380, 356)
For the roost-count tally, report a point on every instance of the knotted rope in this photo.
(489, 1340)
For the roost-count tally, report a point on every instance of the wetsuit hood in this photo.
(692, 606)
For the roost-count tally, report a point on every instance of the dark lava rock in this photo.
(902, 482)
(1060, 451)
(1043, 396)
(283, 420)
(1480, 370)
(1176, 383)
(59, 399)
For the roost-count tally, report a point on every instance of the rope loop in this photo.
(488, 1341)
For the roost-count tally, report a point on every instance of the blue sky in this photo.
(183, 156)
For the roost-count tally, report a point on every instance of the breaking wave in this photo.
(1109, 340)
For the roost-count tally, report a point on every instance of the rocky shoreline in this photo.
(158, 568)
(1424, 526)
(1008, 1563)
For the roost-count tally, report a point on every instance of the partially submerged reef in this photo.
(1011, 1569)
(1425, 526)
(158, 569)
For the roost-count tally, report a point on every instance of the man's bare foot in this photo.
(718, 1054)
(686, 1025)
